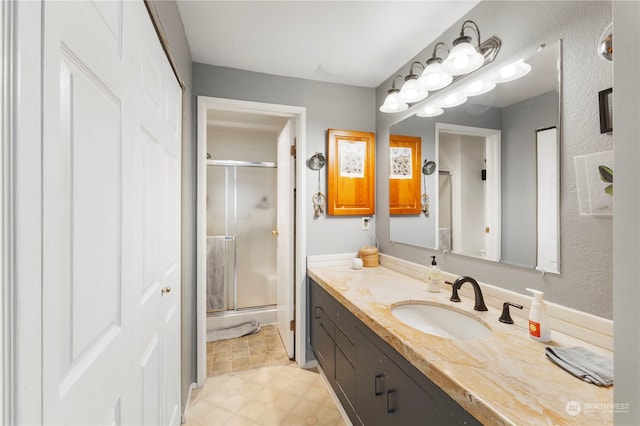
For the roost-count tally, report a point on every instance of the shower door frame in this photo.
(298, 116)
(234, 164)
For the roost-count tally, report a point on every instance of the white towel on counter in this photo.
(583, 363)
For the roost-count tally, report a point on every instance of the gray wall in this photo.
(519, 187)
(586, 242)
(328, 106)
(174, 31)
(626, 221)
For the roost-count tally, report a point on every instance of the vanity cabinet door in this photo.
(345, 367)
(333, 346)
(386, 394)
(322, 333)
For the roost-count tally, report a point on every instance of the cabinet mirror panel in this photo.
(494, 191)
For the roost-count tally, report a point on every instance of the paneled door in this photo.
(110, 217)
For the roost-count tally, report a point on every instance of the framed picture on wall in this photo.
(605, 99)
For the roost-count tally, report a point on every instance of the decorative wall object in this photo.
(593, 194)
(404, 174)
(606, 110)
(351, 174)
(317, 162)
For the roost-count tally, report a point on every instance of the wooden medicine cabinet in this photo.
(404, 174)
(351, 173)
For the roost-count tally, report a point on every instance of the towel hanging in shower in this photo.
(216, 255)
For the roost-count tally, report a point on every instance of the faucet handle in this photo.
(454, 293)
(506, 316)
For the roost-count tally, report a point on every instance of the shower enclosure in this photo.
(241, 244)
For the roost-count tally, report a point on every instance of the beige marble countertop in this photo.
(502, 379)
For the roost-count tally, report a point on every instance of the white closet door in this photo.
(157, 139)
(110, 218)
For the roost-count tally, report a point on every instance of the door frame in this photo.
(298, 114)
(493, 198)
(21, 213)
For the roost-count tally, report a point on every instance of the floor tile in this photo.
(262, 387)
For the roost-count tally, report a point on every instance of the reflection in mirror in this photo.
(469, 176)
(505, 226)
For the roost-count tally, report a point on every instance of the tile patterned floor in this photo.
(262, 349)
(251, 381)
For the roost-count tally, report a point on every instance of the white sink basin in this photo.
(440, 321)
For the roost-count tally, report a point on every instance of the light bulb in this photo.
(460, 62)
(512, 72)
(434, 77)
(479, 87)
(412, 91)
(430, 111)
(453, 100)
(508, 71)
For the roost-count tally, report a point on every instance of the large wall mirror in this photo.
(495, 188)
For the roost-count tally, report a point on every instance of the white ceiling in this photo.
(359, 43)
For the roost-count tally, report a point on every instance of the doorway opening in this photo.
(250, 226)
(469, 217)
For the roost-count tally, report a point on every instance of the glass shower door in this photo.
(241, 216)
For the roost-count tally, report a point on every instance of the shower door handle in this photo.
(275, 232)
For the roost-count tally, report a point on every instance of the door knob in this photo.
(275, 232)
(165, 290)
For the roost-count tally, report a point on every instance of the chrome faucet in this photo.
(479, 306)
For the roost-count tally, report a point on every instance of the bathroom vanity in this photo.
(386, 372)
(375, 384)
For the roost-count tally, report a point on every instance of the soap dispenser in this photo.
(434, 278)
(539, 327)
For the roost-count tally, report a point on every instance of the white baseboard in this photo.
(183, 419)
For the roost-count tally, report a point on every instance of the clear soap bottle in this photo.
(434, 279)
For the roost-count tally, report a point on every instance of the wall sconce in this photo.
(412, 91)
(463, 59)
(392, 103)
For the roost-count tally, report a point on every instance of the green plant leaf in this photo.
(606, 174)
(609, 190)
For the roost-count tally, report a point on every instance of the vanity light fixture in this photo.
(392, 103)
(464, 57)
(411, 90)
(478, 87)
(453, 100)
(430, 111)
(512, 71)
(438, 74)
(434, 76)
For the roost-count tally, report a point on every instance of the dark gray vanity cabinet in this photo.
(332, 339)
(375, 384)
